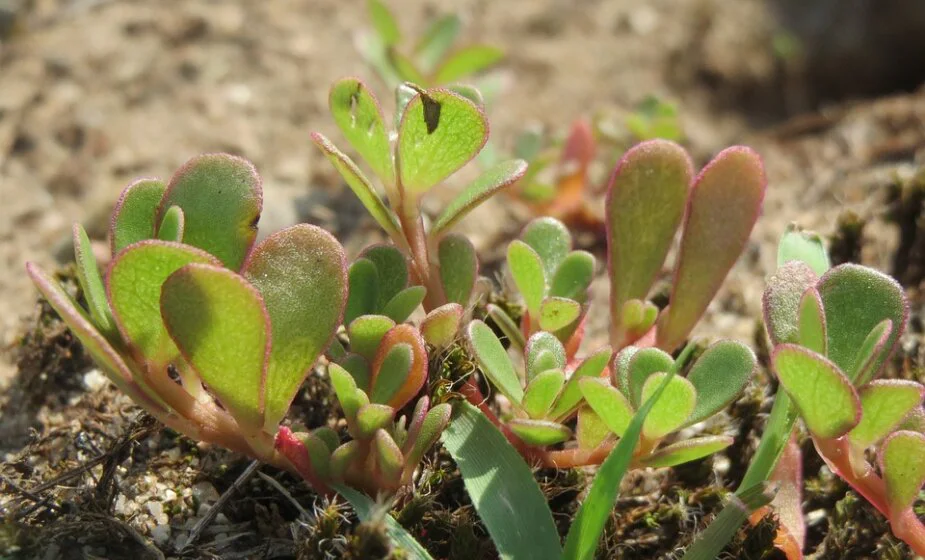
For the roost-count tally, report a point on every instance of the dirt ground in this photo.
(94, 93)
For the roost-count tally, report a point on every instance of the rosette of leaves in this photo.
(652, 194)
(546, 394)
(437, 132)
(383, 372)
(833, 335)
(553, 281)
(211, 334)
(713, 381)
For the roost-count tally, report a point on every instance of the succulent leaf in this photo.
(221, 325)
(467, 61)
(902, 461)
(386, 370)
(804, 246)
(300, 273)
(434, 423)
(643, 364)
(363, 292)
(569, 399)
(828, 403)
(358, 115)
(558, 313)
(573, 276)
(392, 373)
(856, 299)
(867, 361)
(539, 432)
(360, 186)
(527, 271)
(134, 291)
(645, 203)
(400, 307)
(608, 403)
(389, 459)
(719, 376)
(171, 227)
(440, 131)
(673, 408)
(884, 405)
(133, 218)
(494, 361)
(441, 325)
(542, 392)
(687, 450)
(91, 284)
(489, 183)
(551, 240)
(724, 204)
(366, 332)
(811, 322)
(358, 367)
(591, 430)
(348, 395)
(392, 268)
(459, 267)
(221, 198)
(781, 301)
(544, 351)
(372, 417)
(437, 40)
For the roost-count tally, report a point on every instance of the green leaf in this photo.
(468, 61)
(360, 186)
(99, 348)
(400, 307)
(643, 364)
(502, 488)
(884, 405)
(811, 319)
(585, 532)
(494, 361)
(392, 373)
(135, 279)
(368, 512)
(300, 273)
(507, 326)
(591, 430)
(386, 368)
(441, 325)
(687, 451)
(645, 203)
(781, 301)
(440, 132)
(804, 246)
(527, 271)
(557, 313)
(539, 432)
(739, 507)
(428, 433)
(358, 115)
(673, 409)
(902, 461)
(319, 453)
(372, 417)
(437, 40)
(407, 69)
(383, 22)
(856, 299)
(867, 359)
(91, 284)
(171, 228)
(484, 187)
(725, 202)
(366, 332)
(719, 376)
(459, 267)
(221, 198)
(592, 366)
(221, 325)
(363, 298)
(351, 399)
(573, 277)
(358, 367)
(551, 240)
(392, 268)
(389, 460)
(608, 403)
(544, 351)
(821, 392)
(542, 392)
(133, 218)
(343, 458)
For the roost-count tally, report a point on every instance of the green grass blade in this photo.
(725, 525)
(502, 488)
(367, 511)
(586, 530)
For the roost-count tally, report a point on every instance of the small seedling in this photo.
(832, 336)
(432, 61)
(438, 131)
(209, 333)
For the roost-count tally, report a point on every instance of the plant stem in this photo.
(837, 455)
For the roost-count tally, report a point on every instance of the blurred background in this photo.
(94, 93)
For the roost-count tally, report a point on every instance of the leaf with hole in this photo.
(358, 115)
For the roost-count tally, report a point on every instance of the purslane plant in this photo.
(832, 336)
(211, 334)
(438, 131)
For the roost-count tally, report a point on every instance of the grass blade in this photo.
(727, 522)
(367, 511)
(586, 530)
(502, 488)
